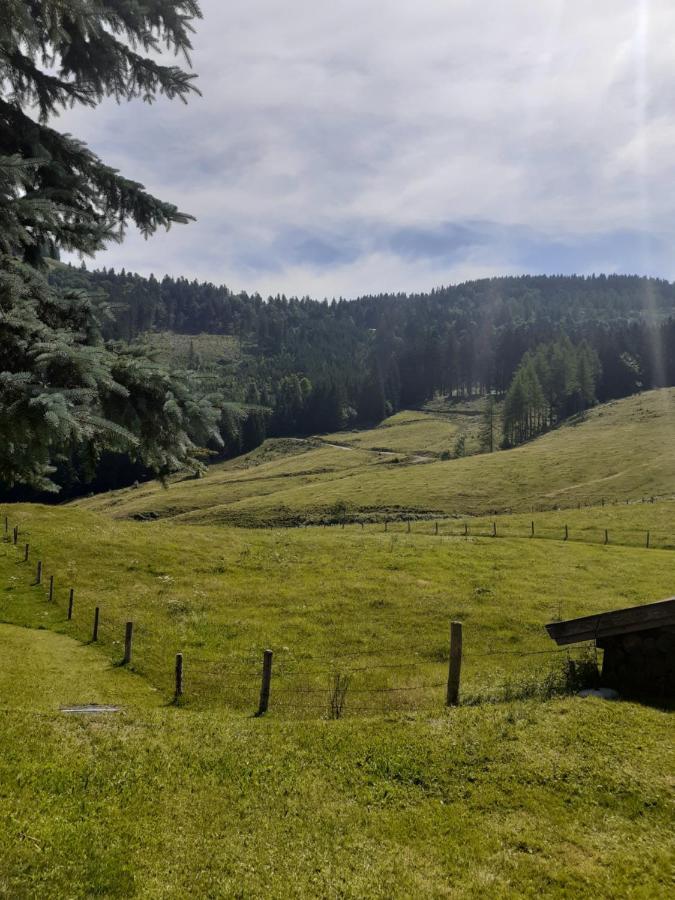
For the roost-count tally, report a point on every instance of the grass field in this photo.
(221, 595)
(426, 432)
(622, 450)
(560, 797)
(554, 799)
(522, 790)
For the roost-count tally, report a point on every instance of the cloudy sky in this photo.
(379, 145)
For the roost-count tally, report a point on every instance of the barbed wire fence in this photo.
(338, 684)
(437, 525)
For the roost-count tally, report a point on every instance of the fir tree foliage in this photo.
(55, 54)
(62, 386)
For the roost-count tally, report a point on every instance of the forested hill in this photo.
(399, 349)
(192, 307)
(548, 347)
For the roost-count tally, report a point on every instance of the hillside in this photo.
(621, 450)
(429, 431)
(222, 594)
(159, 801)
(532, 790)
(203, 351)
(289, 367)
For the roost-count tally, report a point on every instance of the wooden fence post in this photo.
(266, 682)
(385, 525)
(436, 527)
(647, 544)
(466, 530)
(454, 668)
(71, 600)
(94, 634)
(128, 641)
(16, 535)
(51, 588)
(494, 529)
(179, 677)
(26, 552)
(606, 536)
(38, 574)
(532, 529)
(408, 526)
(567, 534)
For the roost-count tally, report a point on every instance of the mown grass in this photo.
(565, 798)
(620, 451)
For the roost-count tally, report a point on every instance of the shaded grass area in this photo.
(564, 798)
(372, 606)
(43, 670)
(619, 451)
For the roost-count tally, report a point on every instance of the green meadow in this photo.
(564, 798)
(524, 789)
(204, 350)
(619, 451)
(374, 605)
(427, 432)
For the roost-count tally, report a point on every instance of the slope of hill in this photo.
(429, 431)
(195, 350)
(515, 797)
(162, 801)
(621, 450)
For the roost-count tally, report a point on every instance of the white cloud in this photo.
(360, 118)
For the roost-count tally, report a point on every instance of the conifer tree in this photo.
(60, 384)
(488, 426)
(58, 53)
(554, 381)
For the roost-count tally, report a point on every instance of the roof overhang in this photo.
(618, 621)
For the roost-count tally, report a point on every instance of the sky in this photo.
(364, 146)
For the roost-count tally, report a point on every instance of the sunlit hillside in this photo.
(621, 450)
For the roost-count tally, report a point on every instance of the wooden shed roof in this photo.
(618, 621)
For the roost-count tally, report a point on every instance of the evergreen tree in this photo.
(61, 385)
(488, 426)
(553, 381)
(588, 372)
(371, 402)
(55, 55)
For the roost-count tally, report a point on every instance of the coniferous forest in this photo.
(549, 346)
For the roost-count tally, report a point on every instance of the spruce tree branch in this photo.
(30, 85)
(89, 193)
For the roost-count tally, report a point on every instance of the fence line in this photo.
(645, 538)
(134, 646)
